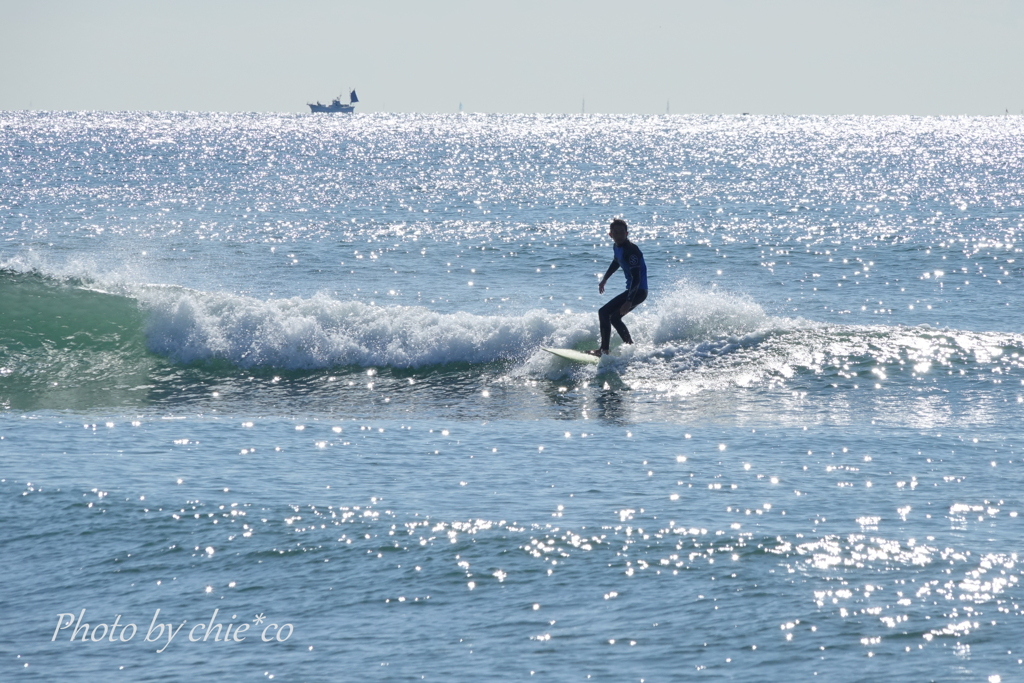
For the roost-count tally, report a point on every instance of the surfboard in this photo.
(574, 355)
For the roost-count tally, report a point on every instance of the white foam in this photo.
(687, 312)
(321, 331)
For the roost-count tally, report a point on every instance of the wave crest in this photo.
(320, 332)
(687, 312)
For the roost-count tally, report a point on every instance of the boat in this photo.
(337, 106)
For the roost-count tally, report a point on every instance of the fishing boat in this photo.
(337, 106)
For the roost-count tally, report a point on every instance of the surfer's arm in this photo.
(611, 269)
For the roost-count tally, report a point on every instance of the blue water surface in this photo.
(270, 369)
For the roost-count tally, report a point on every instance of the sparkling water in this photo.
(275, 404)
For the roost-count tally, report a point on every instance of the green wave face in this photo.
(64, 347)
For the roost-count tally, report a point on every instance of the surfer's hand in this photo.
(600, 287)
(626, 308)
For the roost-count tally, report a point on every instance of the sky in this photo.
(922, 57)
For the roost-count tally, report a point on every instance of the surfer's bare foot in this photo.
(597, 352)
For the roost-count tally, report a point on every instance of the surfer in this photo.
(629, 257)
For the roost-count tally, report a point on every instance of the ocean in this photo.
(274, 403)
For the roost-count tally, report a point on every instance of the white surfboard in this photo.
(574, 355)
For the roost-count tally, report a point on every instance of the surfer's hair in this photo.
(619, 224)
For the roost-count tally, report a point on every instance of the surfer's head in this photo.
(619, 231)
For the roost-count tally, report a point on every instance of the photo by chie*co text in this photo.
(75, 628)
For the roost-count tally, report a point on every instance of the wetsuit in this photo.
(631, 260)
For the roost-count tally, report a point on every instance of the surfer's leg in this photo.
(621, 328)
(604, 317)
(616, 317)
(609, 315)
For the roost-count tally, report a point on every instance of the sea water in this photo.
(275, 404)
